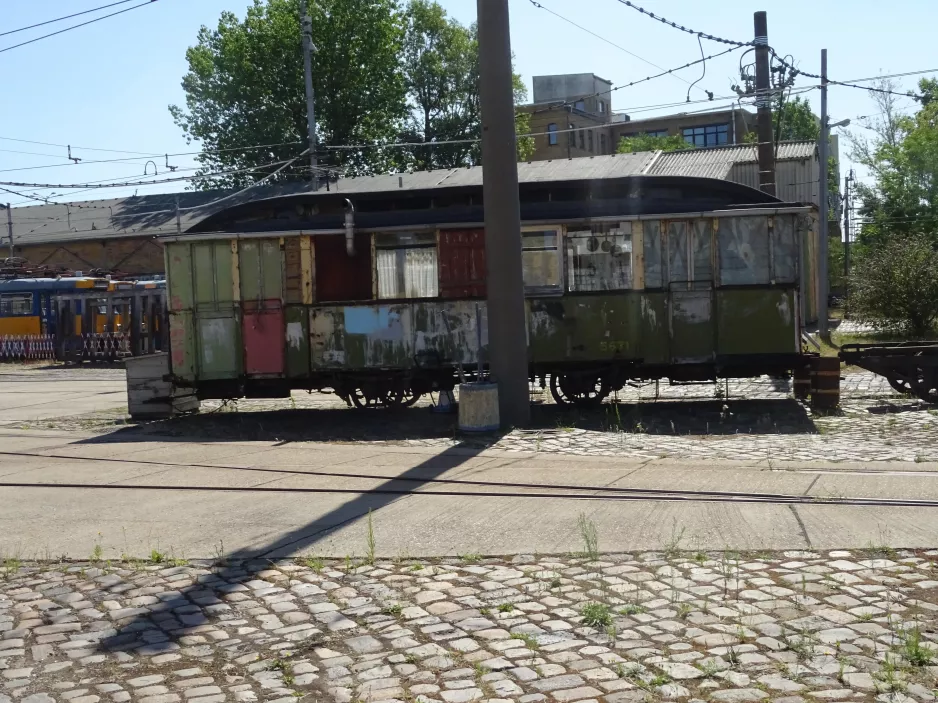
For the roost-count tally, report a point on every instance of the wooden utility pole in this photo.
(306, 27)
(508, 347)
(766, 148)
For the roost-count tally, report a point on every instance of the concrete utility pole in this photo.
(306, 27)
(823, 196)
(10, 227)
(508, 346)
(766, 150)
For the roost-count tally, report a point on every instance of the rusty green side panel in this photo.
(585, 327)
(219, 345)
(756, 321)
(297, 347)
(655, 342)
(394, 335)
(182, 344)
(211, 263)
(261, 269)
(693, 337)
(181, 329)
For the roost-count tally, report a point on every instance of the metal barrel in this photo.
(825, 383)
(801, 382)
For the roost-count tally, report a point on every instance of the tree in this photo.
(894, 286)
(648, 142)
(795, 121)
(245, 87)
(440, 62)
(902, 157)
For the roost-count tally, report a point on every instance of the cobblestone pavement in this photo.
(791, 627)
(749, 419)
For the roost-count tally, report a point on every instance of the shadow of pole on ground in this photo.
(232, 567)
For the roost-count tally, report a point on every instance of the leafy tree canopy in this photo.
(382, 74)
(648, 142)
(902, 157)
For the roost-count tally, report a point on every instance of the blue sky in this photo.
(108, 85)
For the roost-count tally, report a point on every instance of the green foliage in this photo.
(894, 285)
(590, 537)
(397, 74)
(596, 615)
(903, 159)
(245, 84)
(795, 121)
(647, 142)
(440, 63)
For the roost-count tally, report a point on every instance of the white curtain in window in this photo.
(420, 273)
(387, 265)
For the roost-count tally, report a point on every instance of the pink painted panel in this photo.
(264, 334)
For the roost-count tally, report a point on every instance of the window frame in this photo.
(579, 105)
(431, 243)
(552, 134)
(589, 140)
(690, 135)
(574, 232)
(549, 289)
(8, 300)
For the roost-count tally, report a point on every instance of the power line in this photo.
(602, 38)
(668, 22)
(76, 26)
(567, 103)
(851, 84)
(66, 17)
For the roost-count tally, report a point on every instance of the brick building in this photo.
(573, 116)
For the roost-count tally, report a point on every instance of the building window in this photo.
(602, 143)
(540, 260)
(552, 134)
(571, 135)
(582, 141)
(16, 305)
(657, 133)
(407, 265)
(591, 141)
(580, 105)
(708, 135)
(602, 107)
(600, 258)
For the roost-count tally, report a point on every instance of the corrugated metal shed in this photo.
(154, 215)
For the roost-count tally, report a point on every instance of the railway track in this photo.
(481, 489)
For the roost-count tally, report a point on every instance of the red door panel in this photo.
(264, 334)
(462, 263)
(340, 277)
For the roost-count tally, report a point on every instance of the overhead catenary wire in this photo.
(851, 83)
(570, 103)
(66, 17)
(604, 39)
(682, 28)
(76, 26)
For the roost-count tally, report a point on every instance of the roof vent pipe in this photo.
(349, 227)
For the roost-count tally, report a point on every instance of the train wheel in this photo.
(900, 385)
(926, 385)
(409, 397)
(364, 400)
(584, 390)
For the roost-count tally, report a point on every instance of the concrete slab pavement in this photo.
(27, 396)
(325, 514)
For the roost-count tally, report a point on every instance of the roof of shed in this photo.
(155, 215)
(717, 162)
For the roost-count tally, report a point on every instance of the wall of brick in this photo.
(138, 256)
(564, 148)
